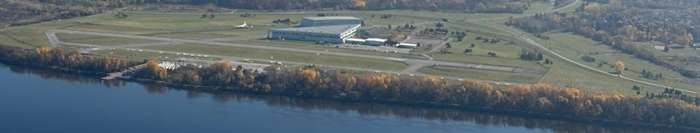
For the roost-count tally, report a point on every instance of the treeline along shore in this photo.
(542, 100)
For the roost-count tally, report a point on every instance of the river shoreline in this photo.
(514, 113)
(309, 82)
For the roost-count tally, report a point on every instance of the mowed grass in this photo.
(12, 41)
(574, 47)
(140, 56)
(332, 60)
(561, 73)
(318, 47)
(481, 74)
(100, 40)
(31, 36)
(507, 53)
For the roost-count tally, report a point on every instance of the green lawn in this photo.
(31, 35)
(100, 40)
(306, 45)
(508, 53)
(140, 56)
(6, 39)
(481, 74)
(574, 47)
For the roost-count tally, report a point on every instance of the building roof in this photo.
(406, 45)
(331, 29)
(376, 40)
(332, 18)
(355, 40)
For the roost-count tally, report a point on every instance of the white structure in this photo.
(376, 41)
(320, 29)
(326, 34)
(169, 65)
(243, 26)
(406, 45)
(355, 41)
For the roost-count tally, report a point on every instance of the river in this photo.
(42, 101)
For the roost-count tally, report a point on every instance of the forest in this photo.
(623, 24)
(59, 58)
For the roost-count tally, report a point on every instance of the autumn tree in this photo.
(154, 69)
(360, 4)
(593, 8)
(43, 52)
(620, 67)
(685, 40)
(631, 32)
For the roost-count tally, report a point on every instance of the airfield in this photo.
(185, 36)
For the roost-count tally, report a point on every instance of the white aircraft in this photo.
(244, 25)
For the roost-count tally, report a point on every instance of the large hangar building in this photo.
(320, 29)
(325, 21)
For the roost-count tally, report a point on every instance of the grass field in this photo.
(574, 47)
(285, 56)
(481, 74)
(100, 40)
(31, 35)
(140, 56)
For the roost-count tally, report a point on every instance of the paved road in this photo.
(53, 39)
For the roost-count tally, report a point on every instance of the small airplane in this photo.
(244, 25)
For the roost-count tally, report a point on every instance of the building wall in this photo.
(310, 23)
(313, 36)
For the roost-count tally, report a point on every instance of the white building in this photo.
(325, 34)
(376, 41)
(320, 29)
(355, 41)
(406, 45)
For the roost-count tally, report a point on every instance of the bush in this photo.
(587, 58)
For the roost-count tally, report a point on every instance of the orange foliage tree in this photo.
(153, 66)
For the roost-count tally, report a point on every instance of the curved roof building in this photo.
(320, 29)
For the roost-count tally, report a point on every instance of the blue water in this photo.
(37, 103)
